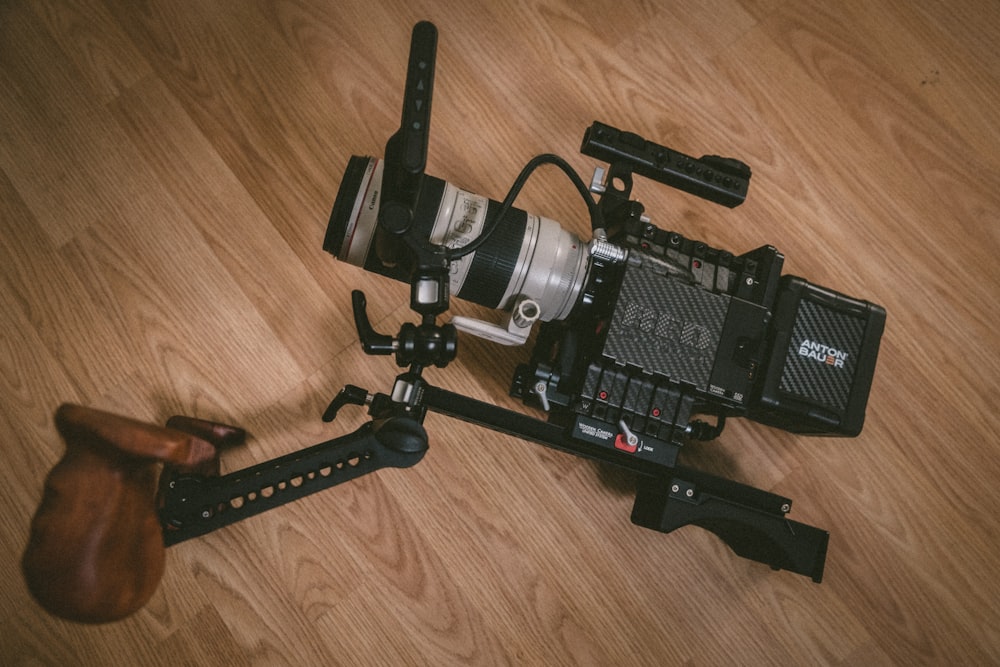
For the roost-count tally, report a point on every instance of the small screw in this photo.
(689, 493)
(675, 488)
(786, 507)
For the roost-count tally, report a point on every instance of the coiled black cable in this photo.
(596, 219)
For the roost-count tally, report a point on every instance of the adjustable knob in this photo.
(427, 344)
(349, 395)
(371, 341)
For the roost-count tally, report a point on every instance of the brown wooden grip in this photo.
(95, 552)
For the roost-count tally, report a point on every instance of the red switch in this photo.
(621, 442)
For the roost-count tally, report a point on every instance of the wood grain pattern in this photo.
(166, 175)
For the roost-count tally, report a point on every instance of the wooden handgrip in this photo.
(95, 553)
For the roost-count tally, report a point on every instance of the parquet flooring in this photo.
(166, 175)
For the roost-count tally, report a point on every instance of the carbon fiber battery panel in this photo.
(823, 353)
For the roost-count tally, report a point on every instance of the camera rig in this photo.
(599, 407)
(642, 331)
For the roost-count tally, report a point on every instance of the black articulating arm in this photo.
(195, 504)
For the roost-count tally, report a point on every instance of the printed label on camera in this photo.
(587, 429)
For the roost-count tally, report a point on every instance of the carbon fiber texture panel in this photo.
(822, 355)
(665, 326)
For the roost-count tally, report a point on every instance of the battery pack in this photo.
(823, 351)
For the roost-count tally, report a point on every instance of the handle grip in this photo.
(95, 552)
(406, 150)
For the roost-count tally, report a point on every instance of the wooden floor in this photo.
(166, 174)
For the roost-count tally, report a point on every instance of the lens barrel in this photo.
(525, 255)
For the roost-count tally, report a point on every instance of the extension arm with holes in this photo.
(193, 504)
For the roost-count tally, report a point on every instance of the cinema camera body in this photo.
(641, 327)
(643, 336)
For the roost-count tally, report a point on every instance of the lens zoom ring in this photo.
(494, 262)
